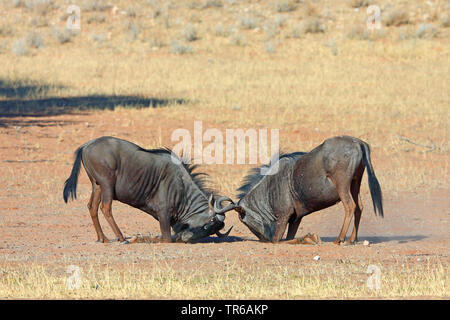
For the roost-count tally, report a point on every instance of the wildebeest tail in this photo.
(374, 185)
(70, 186)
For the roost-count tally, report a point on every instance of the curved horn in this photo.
(224, 235)
(218, 209)
(211, 202)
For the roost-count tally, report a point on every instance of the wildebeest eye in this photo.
(183, 227)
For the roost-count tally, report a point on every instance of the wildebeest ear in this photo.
(211, 202)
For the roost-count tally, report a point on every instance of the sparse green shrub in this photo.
(40, 7)
(156, 42)
(20, 48)
(403, 35)
(38, 21)
(189, 33)
(179, 48)
(358, 33)
(333, 47)
(280, 20)
(98, 5)
(426, 31)
(444, 20)
(395, 17)
(221, 31)
(269, 46)
(237, 39)
(132, 12)
(100, 38)
(270, 30)
(362, 33)
(309, 9)
(96, 19)
(193, 4)
(360, 3)
(6, 30)
(3, 46)
(248, 22)
(296, 32)
(18, 3)
(312, 25)
(131, 32)
(285, 5)
(34, 40)
(205, 4)
(62, 35)
(212, 4)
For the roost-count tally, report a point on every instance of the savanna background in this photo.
(138, 70)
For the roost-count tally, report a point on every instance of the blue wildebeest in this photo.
(305, 183)
(148, 180)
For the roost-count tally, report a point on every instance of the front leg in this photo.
(279, 229)
(292, 229)
(164, 224)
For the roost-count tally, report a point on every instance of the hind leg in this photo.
(342, 185)
(355, 188)
(358, 211)
(106, 208)
(93, 205)
(349, 207)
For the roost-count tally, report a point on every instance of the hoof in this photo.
(133, 239)
(102, 240)
(351, 242)
(339, 242)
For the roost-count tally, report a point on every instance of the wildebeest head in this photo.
(264, 229)
(203, 224)
(266, 193)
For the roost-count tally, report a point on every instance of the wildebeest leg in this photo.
(293, 227)
(93, 204)
(355, 188)
(354, 236)
(280, 228)
(106, 208)
(164, 224)
(343, 189)
(358, 211)
(296, 218)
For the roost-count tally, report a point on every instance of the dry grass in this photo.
(326, 280)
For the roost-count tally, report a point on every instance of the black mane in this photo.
(199, 178)
(254, 174)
